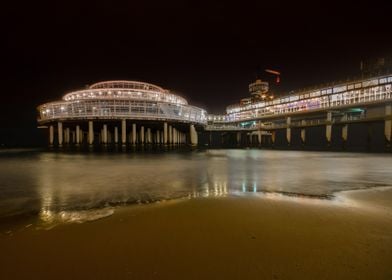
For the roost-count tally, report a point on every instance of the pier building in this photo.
(121, 112)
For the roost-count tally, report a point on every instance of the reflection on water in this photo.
(70, 187)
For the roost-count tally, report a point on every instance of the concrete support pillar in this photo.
(51, 135)
(158, 137)
(105, 134)
(345, 132)
(165, 133)
(148, 136)
(77, 134)
(134, 133)
(60, 133)
(273, 136)
(259, 137)
(288, 130)
(328, 128)
(238, 138)
(67, 135)
(193, 135)
(116, 135)
(303, 131)
(303, 135)
(170, 134)
(388, 123)
(123, 132)
(174, 136)
(90, 132)
(142, 135)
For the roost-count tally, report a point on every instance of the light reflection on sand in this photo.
(50, 218)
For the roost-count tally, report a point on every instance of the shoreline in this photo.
(247, 237)
(35, 218)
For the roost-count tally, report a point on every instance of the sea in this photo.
(44, 188)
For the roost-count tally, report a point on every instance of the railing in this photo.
(122, 94)
(118, 109)
(281, 125)
(228, 128)
(371, 95)
(337, 91)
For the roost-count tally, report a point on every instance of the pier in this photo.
(356, 115)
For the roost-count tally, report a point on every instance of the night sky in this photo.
(208, 53)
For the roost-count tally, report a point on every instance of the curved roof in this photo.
(125, 90)
(126, 85)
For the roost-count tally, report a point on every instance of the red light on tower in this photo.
(273, 72)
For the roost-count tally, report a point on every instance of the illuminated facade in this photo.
(146, 113)
(129, 112)
(121, 99)
(375, 90)
(341, 105)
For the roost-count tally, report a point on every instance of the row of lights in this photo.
(337, 89)
(308, 103)
(62, 108)
(161, 96)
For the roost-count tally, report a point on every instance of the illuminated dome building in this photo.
(121, 112)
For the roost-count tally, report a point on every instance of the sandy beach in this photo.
(266, 236)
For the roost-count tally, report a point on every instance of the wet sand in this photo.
(235, 237)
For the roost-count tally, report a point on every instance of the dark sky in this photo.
(208, 52)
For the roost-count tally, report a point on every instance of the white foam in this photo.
(50, 219)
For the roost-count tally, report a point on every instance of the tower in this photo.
(259, 89)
